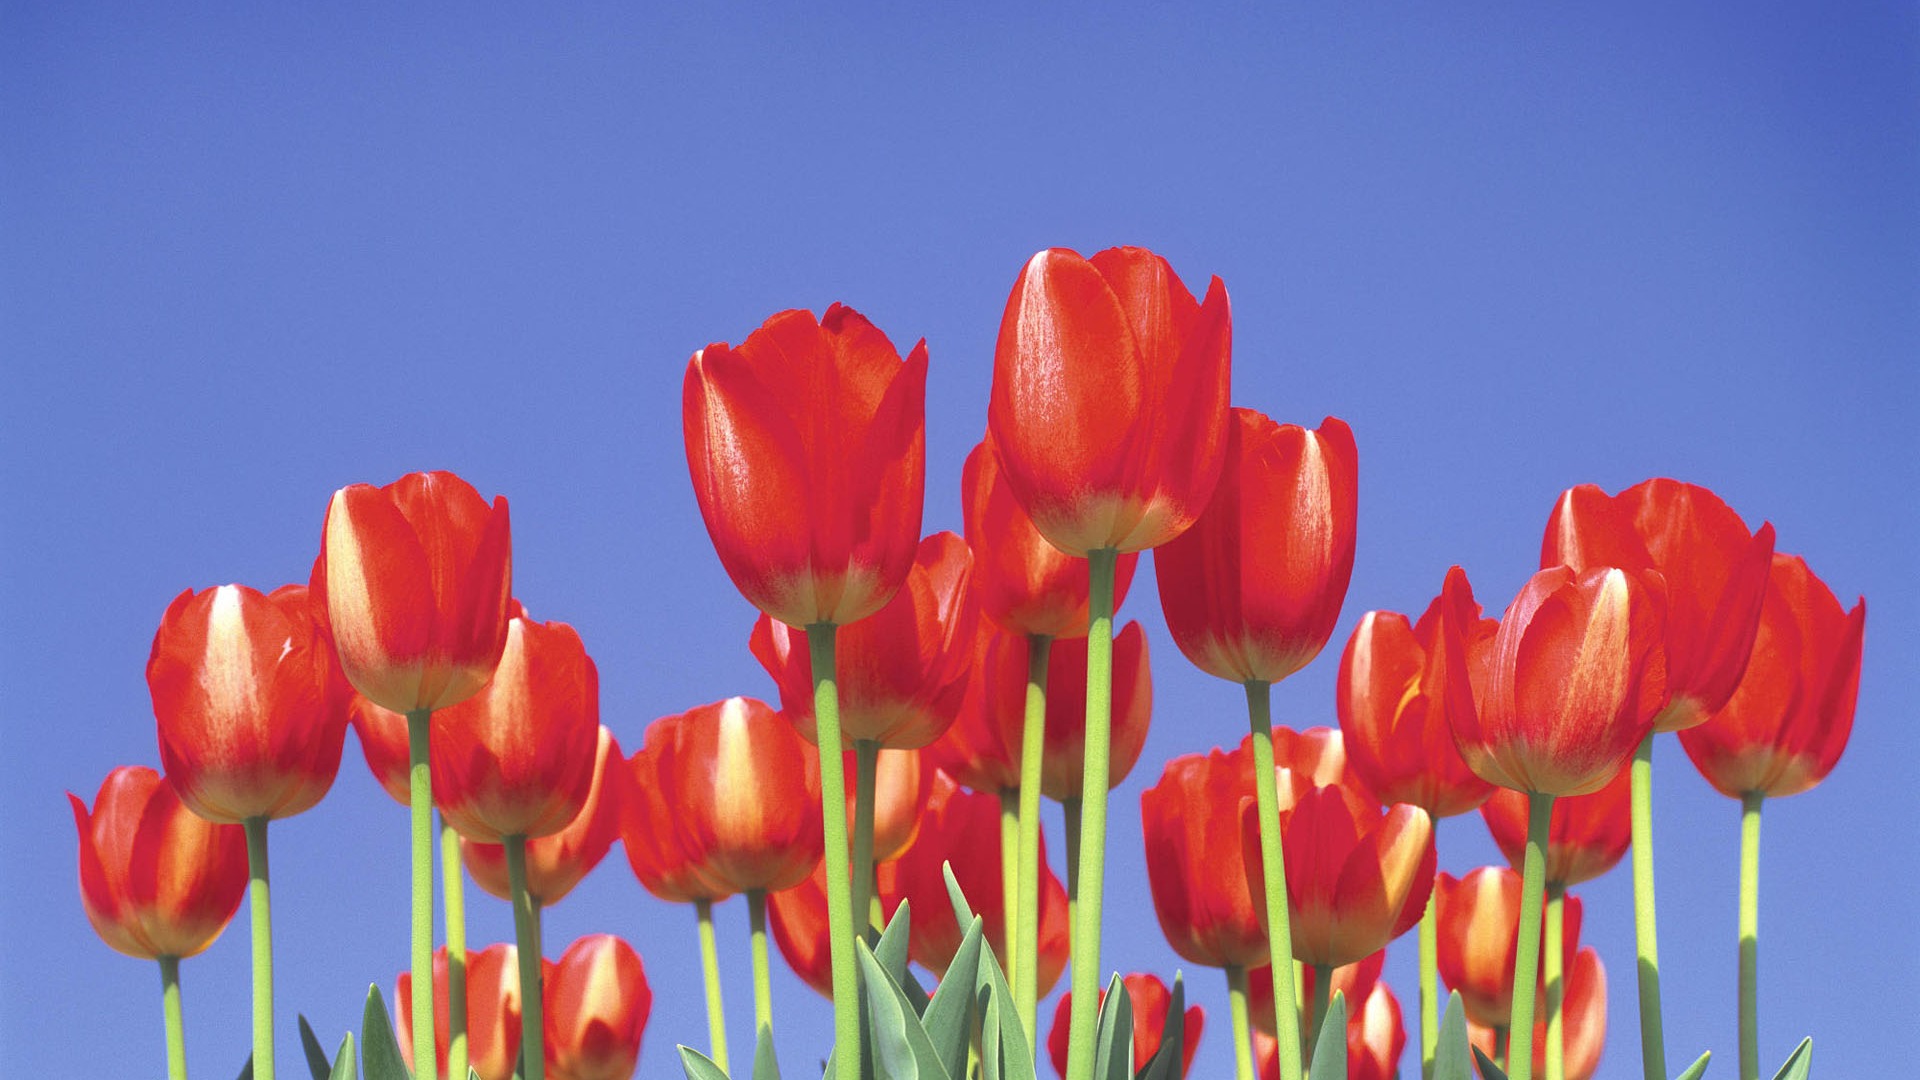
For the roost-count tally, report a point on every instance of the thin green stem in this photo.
(1500, 1041)
(170, 1007)
(1429, 984)
(1273, 866)
(1653, 1047)
(1242, 1030)
(1026, 952)
(1317, 1012)
(833, 809)
(1526, 952)
(710, 966)
(1093, 810)
(262, 918)
(527, 939)
(1070, 817)
(452, 876)
(866, 768)
(420, 798)
(1555, 978)
(762, 978)
(1750, 935)
(1009, 880)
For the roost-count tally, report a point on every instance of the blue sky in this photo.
(254, 253)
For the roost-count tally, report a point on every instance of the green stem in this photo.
(1500, 1041)
(262, 918)
(1026, 953)
(710, 965)
(1526, 952)
(527, 938)
(452, 879)
(170, 1006)
(1322, 997)
(420, 792)
(1273, 866)
(866, 766)
(833, 808)
(1093, 810)
(1555, 978)
(762, 984)
(1070, 816)
(1242, 1033)
(1429, 984)
(1009, 881)
(1653, 1048)
(1750, 935)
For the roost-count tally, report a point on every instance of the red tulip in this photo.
(903, 671)
(383, 740)
(1195, 867)
(963, 828)
(493, 1011)
(1588, 836)
(1583, 1009)
(414, 581)
(1715, 572)
(1355, 980)
(1392, 701)
(517, 758)
(798, 918)
(1108, 412)
(1253, 589)
(1026, 585)
(1375, 1038)
(1575, 677)
(973, 751)
(1148, 998)
(1316, 757)
(155, 879)
(744, 791)
(558, 862)
(1479, 926)
(807, 446)
(1063, 758)
(651, 828)
(903, 782)
(252, 715)
(1783, 729)
(595, 1004)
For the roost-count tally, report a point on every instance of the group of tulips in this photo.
(954, 681)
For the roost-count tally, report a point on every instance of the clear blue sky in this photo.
(253, 253)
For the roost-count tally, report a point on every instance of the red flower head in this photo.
(493, 1011)
(902, 673)
(798, 918)
(413, 581)
(1375, 1038)
(1064, 756)
(963, 828)
(744, 792)
(1195, 867)
(972, 751)
(1148, 998)
(1783, 729)
(1392, 699)
(594, 1009)
(1355, 980)
(557, 862)
(1479, 924)
(1588, 835)
(1715, 573)
(652, 829)
(807, 446)
(1025, 584)
(1574, 678)
(252, 713)
(1108, 412)
(1253, 590)
(517, 758)
(383, 740)
(902, 784)
(155, 879)
(1583, 1009)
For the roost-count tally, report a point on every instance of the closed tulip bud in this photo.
(903, 671)
(744, 790)
(1588, 836)
(557, 862)
(974, 751)
(1148, 999)
(1063, 758)
(1108, 412)
(1478, 923)
(807, 446)
(651, 828)
(1375, 1038)
(1196, 869)
(1252, 591)
(493, 1011)
(1715, 573)
(252, 715)
(596, 1002)
(383, 741)
(1783, 729)
(155, 879)
(415, 579)
(798, 919)
(1355, 980)
(1583, 1011)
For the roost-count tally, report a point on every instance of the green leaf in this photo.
(1798, 1063)
(992, 993)
(901, 1049)
(1330, 1048)
(1698, 1069)
(699, 1066)
(949, 1016)
(1452, 1059)
(317, 1063)
(1488, 1070)
(246, 1071)
(343, 1061)
(1172, 1054)
(765, 1067)
(1113, 1035)
(962, 911)
(377, 1044)
(991, 1067)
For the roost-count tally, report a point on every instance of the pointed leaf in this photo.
(962, 911)
(377, 1043)
(1167, 1061)
(699, 1066)
(317, 1063)
(949, 1016)
(343, 1066)
(1113, 1035)
(992, 992)
(1452, 1060)
(1488, 1070)
(765, 1067)
(1799, 1063)
(891, 949)
(901, 1049)
(246, 1071)
(1330, 1049)
(1698, 1069)
(991, 1066)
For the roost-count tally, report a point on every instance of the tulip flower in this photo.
(1585, 1022)
(383, 742)
(1063, 755)
(1780, 733)
(493, 1020)
(1375, 1038)
(1354, 980)
(974, 751)
(903, 782)
(557, 862)
(597, 1001)
(1149, 999)
(1587, 836)
(1195, 865)
(157, 881)
(1479, 928)
(798, 918)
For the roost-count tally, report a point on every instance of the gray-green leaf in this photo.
(377, 1043)
(1330, 1048)
(1113, 1034)
(1799, 1063)
(1452, 1060)
(1698, 1069)
(699, 1066)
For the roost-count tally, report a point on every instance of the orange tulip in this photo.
(651, 828)
(744, 792)
(1108, 412)
(807, 446)
(156, 880)
(902, 784)
(1588, 836)
(1148, 998)
(558, 862)
(414, 581)
(1355, 980)
(1375, 1038)
(251, 712)
(1783, 729)
(1715, 572)
(493, 1011)
(1583, 1010)
(1064, 757)
(1252, 591)
(596, 1002)
(1478, 928)
(1196, 870)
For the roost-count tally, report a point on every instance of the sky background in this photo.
(252, 253)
